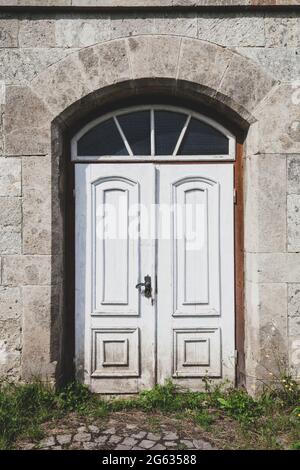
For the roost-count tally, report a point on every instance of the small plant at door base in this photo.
(287, 390)
(74, 397)
(296, 446)
(205, 419)
(24, 408)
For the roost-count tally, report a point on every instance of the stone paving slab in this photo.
(115, 434)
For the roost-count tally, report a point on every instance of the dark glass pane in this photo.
(168, 126)
(136, 127)
(202, 139)
(103, 139)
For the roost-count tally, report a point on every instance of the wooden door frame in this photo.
(239, 265)
(69, 263)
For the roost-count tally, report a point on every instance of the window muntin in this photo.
(103, 139)
(168, 125)
(137, 131)
(202, 139)
(153, 132)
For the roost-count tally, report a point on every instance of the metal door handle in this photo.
(147, 286)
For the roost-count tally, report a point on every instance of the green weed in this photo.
(295, 446)
(23, 408)
(204, 419)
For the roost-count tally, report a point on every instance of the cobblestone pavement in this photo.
(123, 432)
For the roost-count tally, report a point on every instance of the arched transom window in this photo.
(153, 132)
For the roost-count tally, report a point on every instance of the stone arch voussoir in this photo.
(216, 72)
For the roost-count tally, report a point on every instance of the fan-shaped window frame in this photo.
(230, 156)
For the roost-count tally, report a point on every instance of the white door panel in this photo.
(195, 300)
(111, 258)
(124, 340)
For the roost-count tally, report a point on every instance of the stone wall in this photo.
(33, 45)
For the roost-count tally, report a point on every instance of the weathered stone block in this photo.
(105, 64)
(183, 25)
(130, 25)
(282, 30)
(64, 439)
(8, 32)
(82, 437)
(203, 63)
(62, 84)
(27, 123)
(10, 333)
(36, 177)
(36, 3)
(273, 316)
(26, 270)
(10, 177)
(10, 242)
(294, 326)
(277, 129)
(82, 32)
(282, 63)
(10, 303)
(265, 330)
(272, 267)
(47, 442)
(154, 56)
(293, 174)
(37, 33)
(1, 126)
(294, 356)
(37, 321)
(10, 212)
(293, 222)
(20, 65)
(232, 30)
(36, 172)
(10, 346)
(294, 300)
(265, 203)
(36, 223)
(245, 83)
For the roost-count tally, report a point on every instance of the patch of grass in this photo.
(23, 408)
(204, 419)
(295, 446)
(34, 432)
(153, 423)
(271, 421)
(238, 405)
(167, 398)
(259, 423)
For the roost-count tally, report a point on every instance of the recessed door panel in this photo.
(195, 239)
(115, 352)
(116, 254)
(197, 352)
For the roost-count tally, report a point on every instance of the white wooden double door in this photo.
(174, 224)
